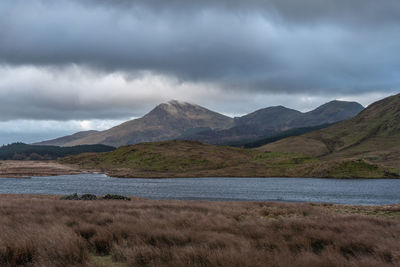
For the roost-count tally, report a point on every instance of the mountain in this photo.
(66, 139)
(373, 135)
(164, 122)
(271, 121)
(331, 112)
(181, 120)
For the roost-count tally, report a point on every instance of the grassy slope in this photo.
(195, 159)
(373, 135)
(46, 231)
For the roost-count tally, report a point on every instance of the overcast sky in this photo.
(70, 65)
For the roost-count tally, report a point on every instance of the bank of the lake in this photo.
(29, 168)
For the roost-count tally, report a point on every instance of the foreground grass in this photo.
(47, 231)
(195, 159)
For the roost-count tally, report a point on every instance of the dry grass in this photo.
(46, 231)
(26, 168)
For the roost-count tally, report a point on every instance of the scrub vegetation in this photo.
(47, 231)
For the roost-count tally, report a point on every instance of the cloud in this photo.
(71, 65)
(81, 94)
(355, 12)
(270, 46)
(78, 93)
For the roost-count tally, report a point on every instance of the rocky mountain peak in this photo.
(175, 107)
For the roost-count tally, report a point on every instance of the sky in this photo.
(72, 65)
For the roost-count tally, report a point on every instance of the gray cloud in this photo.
(363, 12)
(71, 65)
(276, 46)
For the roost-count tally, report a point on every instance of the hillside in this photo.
(373, 135)
(20, 151)
(272, 121)
(164, 122)
(195, 159)
(276, 137)
(66, 139)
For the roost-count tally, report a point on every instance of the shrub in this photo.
(88, 197)
(115, 197)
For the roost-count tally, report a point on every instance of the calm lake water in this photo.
(363, 192)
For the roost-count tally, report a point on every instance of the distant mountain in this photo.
(330, 112)
(271, 121)
(66, 139)
(21, 151)
(181, 120)
(272, 118)
(374, 135)
(166, 121)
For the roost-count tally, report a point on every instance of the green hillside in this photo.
(195, 159)
(373, 135)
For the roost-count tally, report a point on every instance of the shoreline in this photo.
(213, 200)
(27, 169)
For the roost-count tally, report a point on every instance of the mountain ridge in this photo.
(183, 120)
(271, 121)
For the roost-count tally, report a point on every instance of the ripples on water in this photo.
(341, 191)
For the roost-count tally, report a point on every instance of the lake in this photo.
(340, 191)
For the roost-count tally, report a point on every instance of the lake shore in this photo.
(26, 169)
(39, 230)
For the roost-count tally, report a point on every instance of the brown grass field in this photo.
(27, 168)
(46, 231)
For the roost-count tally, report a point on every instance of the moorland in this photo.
(47, 231)
(196, 159)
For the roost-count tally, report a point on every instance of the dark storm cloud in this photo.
(271, 45)
(371, 12)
